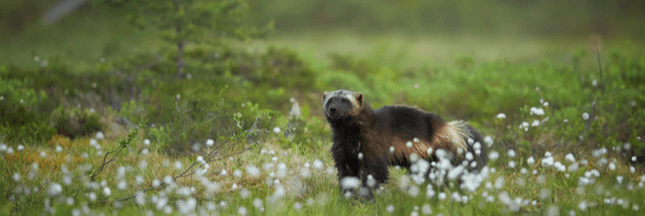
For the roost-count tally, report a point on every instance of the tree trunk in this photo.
(180, 59)
(180, 44)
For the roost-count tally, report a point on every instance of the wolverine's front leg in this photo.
(374, 174)
(347, 166)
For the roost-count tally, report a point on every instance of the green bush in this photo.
(20, 119)
(76, 122)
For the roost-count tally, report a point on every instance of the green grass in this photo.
(457, 78)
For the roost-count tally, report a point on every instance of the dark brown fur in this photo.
(359, 129)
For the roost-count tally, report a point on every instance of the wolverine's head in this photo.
(342, 103)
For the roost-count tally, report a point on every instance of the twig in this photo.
(595, 102)
(123, 143)
(190, 170)
(100, 169)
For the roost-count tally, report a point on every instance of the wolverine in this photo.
(367, 141)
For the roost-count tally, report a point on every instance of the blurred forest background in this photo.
(428, 30)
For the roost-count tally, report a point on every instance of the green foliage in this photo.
(193, 20)
(20, 119)
(75, 122)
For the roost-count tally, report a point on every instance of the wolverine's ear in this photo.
(325, 95)
(359, 99)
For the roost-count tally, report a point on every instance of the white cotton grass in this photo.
(511, 153)
(350, 182)
(408, 144)
(252, 171)
(146, 142)
(210, 142)
(54, 189)
(585, 116)
(99, 135)
(536, 111)
(501, 116)
(389, 208)
(318, 164)
(488, 140)
(493, 155)
(569, 157)
(107, 191)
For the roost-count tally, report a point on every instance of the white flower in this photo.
(210, 142)
(536, 111)
(360, 155)
(92, 196)
(139, 180)
(318, 164)
(442, 196)
(585, 116)
(570, 158)
(493, 155)
(99, 135)
(140, 198)
(546, 104)
(146, 142)
(16, 176)
(390, 208)
(107, 191)
(20, 147)
(408, 144)
(276, 130)
(42, 154)
(10, 150)
(531, 160)
(535, 123)
(511, 153)
(391, 149)
(488, 140)
(501, 116)
(350, 182)
(55, 189)
(145, 152)
(511, 164)
(253, 171)
(122, 185)
(583, 205)
(223, 173)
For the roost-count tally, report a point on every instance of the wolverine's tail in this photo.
(467, 141)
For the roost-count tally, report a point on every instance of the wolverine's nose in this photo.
(332, 110)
